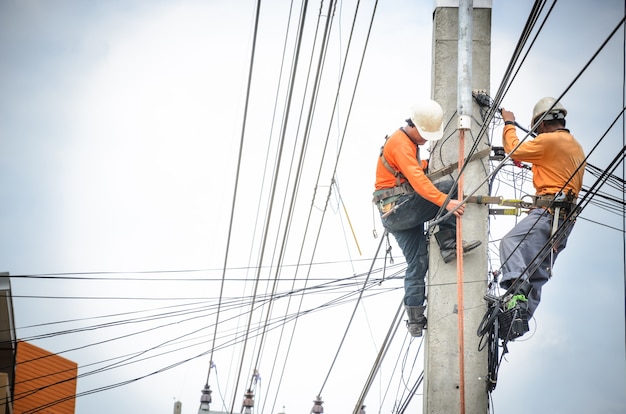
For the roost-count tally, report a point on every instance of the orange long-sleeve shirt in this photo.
(401, 154)
(555, 157)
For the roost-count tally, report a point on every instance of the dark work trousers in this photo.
(525, 252)
(407, 226)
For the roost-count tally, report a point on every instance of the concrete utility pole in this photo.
(455, 372)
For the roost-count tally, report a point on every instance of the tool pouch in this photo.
(386, 204)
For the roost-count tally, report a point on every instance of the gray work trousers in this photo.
(525, 252)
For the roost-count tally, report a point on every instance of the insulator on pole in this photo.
(248, 402)
(205, 399)
(317, 406)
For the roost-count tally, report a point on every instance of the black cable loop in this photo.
(507, 79)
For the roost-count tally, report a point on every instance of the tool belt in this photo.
(385, 199)
(565, 204)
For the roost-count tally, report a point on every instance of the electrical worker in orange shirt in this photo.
(406, 199)
(528, 251)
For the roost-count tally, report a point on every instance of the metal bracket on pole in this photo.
(505, 212)
(499, 200)
(465, 122)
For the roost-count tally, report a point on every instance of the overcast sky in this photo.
(120, 129)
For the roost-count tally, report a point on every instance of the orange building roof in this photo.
(44, 382)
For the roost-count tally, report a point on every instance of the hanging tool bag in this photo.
(386, 198)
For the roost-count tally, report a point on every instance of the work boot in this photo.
(417, 321)
(446, 239)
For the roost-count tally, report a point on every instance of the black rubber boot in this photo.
(417, 321)
(446, 239)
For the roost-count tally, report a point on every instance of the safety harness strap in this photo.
(388, 166)
(450, 168)
(395, 173)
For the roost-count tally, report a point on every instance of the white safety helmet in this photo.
(427, 116)
(555, 110)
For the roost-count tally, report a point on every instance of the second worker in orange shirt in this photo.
(406, 199)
